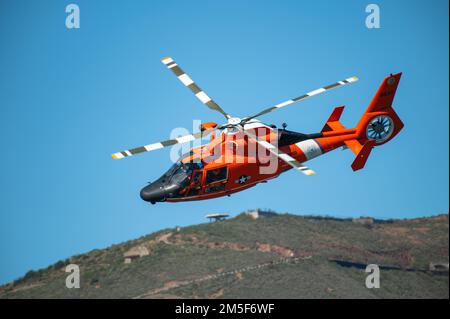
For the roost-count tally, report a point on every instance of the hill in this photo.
(272, 256)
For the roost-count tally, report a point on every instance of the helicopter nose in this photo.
(153, 193)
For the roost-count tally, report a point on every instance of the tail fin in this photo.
(385, 94)
(378, 125)
(380, 122)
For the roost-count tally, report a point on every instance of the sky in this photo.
(69, 98)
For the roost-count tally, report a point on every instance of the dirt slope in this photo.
(274, 256)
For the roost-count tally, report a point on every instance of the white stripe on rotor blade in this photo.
(315, 92)
(305, 170)
(172, 65)
(185, 79)
(253, 125)
(341, 83)
(128, 153)
(167, 61)
(202, 96)
(118, 155)
(309, 172)
(266, 144)
(284, 103)
(152, 147)
(286, 157)
(184, 139)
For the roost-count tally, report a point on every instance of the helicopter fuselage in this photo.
(248, 152)
(231, 163)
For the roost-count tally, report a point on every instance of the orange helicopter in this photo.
(247, 152)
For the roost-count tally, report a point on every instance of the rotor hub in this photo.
(234, 121)
(378, 127)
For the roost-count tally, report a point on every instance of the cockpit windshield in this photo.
(181, 176)
(180, 173)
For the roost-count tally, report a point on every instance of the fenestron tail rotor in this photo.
(188, 82)
(380, 128)
(159, 145)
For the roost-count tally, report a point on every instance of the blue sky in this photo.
(70, 98)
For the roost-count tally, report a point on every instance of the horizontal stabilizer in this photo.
(354, 145)
(362, 156)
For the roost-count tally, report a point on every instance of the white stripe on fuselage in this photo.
(310, 148)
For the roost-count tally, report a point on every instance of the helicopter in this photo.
(244, 152)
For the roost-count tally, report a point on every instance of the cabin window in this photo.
(216, 175)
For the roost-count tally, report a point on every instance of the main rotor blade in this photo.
(304, 96)
(159, 145)
(187, 81)
(277, 152)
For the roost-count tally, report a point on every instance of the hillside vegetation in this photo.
(273, 256)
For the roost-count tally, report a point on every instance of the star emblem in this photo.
(242, 179)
